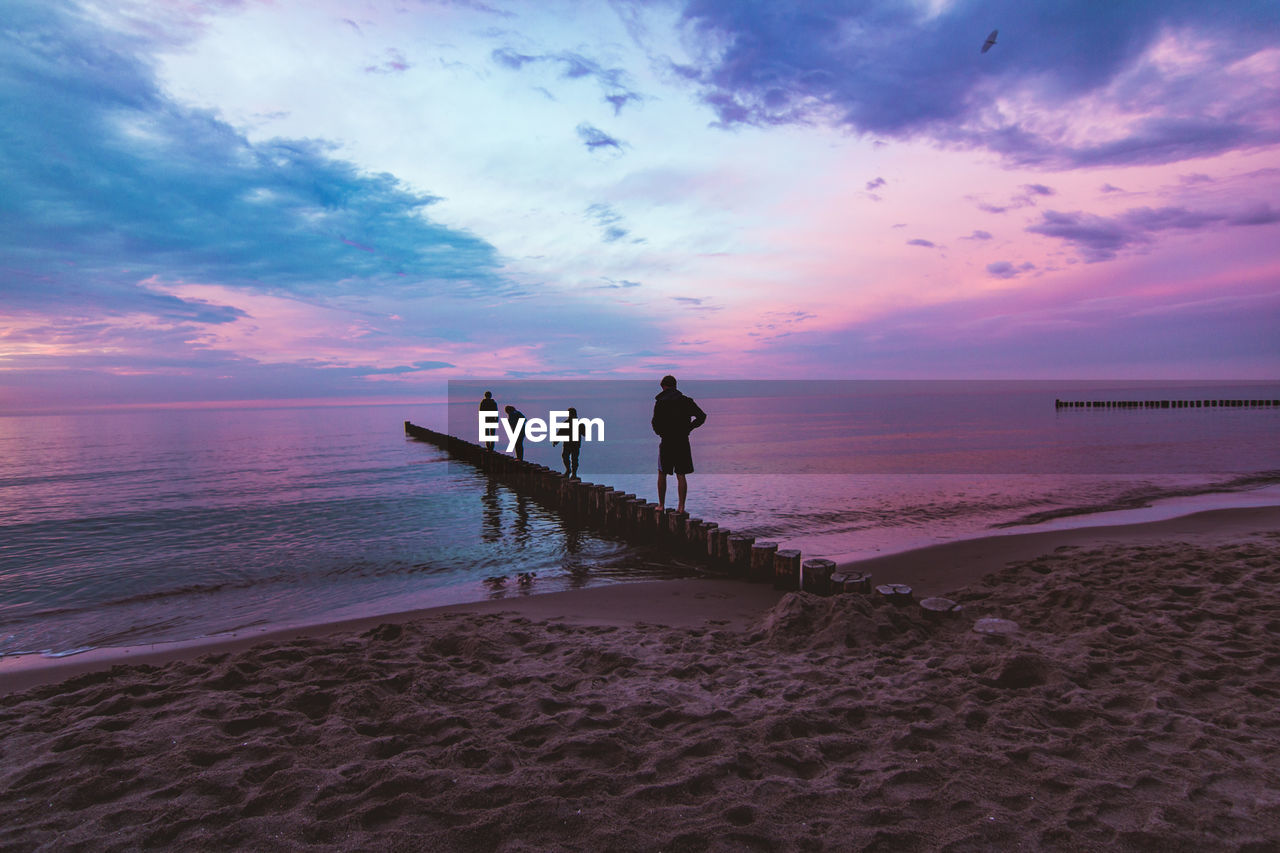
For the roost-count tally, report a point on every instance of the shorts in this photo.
(675, 456)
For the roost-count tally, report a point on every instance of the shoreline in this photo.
(686, 603)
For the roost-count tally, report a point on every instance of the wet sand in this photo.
(1136, 706)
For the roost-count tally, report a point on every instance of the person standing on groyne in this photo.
(572, 446)
(488, 404)
(674, 417)
(515, 419)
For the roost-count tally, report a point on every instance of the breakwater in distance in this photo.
(625, 516)
(1166, 404)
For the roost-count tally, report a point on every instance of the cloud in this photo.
(1100, 238)
(620, 100)
(978, 235)
(1160, 219)
(928, 244)
(108, 183)
(1259, 214)
(117, 200)
(1026, 198)
(595, 138)
(609, 221)
(1168, 82)
(1108, 188)
(1004, 269)
(1029, 332)
(876, 184)
(509, 58)
(1097, 238)
(613, 82)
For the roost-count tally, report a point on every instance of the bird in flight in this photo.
(991, 39)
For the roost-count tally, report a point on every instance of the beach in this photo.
(1131, 705)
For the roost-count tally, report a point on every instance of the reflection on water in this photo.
(170, 525)
(492, 512)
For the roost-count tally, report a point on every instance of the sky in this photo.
(314, 200)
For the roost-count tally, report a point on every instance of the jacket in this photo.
(672, 414)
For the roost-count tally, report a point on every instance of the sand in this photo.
(1135, 707)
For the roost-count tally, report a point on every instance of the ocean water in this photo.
(140, 527)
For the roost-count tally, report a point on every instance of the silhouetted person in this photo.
(674, 417)
(514, 416)
(571, 446)
(488, 404)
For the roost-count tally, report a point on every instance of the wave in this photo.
(1144, 497)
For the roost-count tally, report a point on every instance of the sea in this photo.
(145, 526)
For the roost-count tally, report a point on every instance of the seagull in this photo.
(991, 39)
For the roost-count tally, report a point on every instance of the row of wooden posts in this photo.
(1165, 404)
(625, 516)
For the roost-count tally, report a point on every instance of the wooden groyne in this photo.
(1166, 404)
(621, 515)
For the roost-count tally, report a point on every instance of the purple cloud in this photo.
(882, 67)
(1100, 238)
(1160, 219)
(1004, 269)
(1096, 237)
(1259, 214)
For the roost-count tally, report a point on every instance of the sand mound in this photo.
(801, 620)
(1136, 708)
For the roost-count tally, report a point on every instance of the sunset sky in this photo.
(314, 199)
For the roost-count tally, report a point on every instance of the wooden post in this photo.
(612, 502)
(709, 529)
(629, 515)
(599, 500)
(740, 554)
(646, 526)
(815, 575)
(898, 594)
(661, 522)
(786, 569)
(677, 525)
(656, 521)
(761, 567)
(850, 582)
(720, 547)
(695, 538)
